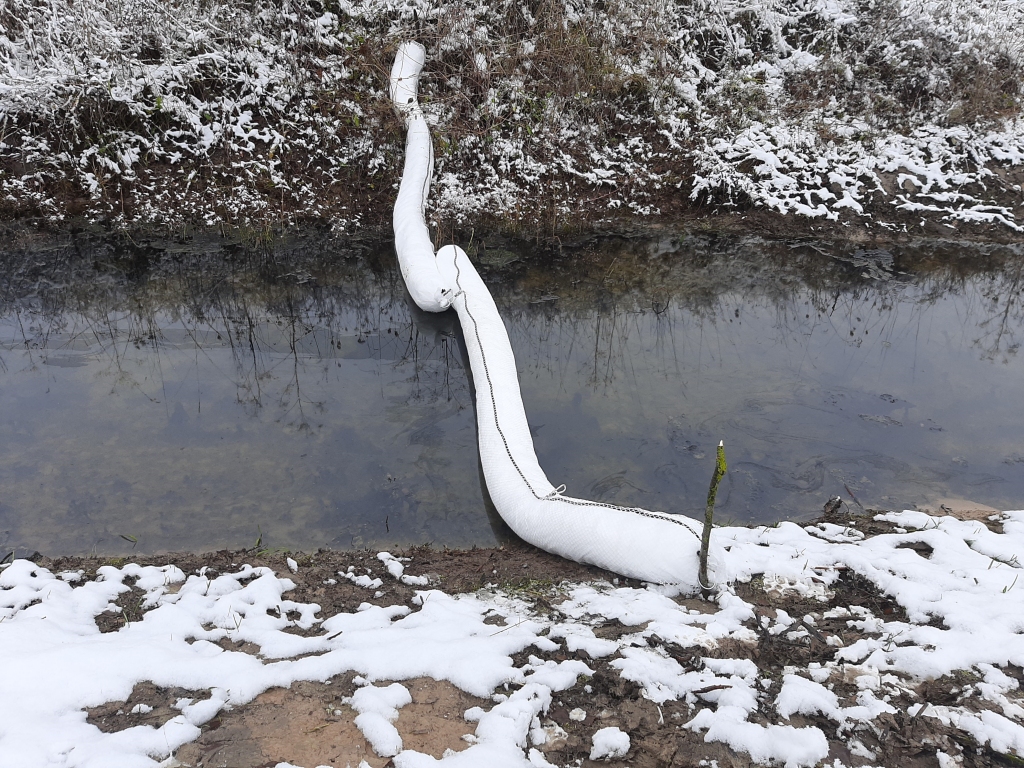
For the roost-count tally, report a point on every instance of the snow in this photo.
(764, 743)
(378, 709)
(608, 743)
(362, 579)
(806, 697)
(964, 610)
(397, 571)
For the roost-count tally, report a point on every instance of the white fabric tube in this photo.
(645, 545)
(405, 75)
(412, 238)
(634, 542)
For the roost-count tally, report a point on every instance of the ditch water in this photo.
(209, 395)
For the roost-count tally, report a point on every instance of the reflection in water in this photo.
(202, 397)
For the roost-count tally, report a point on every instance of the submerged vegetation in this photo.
(546, 113)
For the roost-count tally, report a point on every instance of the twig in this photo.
(855, 499)
(817, 635)
(709, 689)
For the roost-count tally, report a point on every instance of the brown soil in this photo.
(965, 509)
(882, 222)
(309, 725)
(678, 215)
(517, 566)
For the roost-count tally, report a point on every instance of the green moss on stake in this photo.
(709, 513)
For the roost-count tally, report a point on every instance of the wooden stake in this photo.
(709, 513)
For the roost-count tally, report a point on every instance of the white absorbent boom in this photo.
(652, 546)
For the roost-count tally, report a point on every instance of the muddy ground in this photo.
(889, 227)
(310, 725)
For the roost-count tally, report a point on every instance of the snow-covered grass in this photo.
(960, 612)
(176, 111)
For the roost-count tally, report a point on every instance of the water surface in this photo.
(208, 395)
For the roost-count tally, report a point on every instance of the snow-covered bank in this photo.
(870, 642)
(881, 115)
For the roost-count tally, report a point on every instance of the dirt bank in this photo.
(548, 119)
